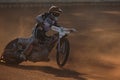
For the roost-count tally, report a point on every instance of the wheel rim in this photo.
(62, 53)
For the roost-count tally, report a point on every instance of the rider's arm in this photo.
(39, 19)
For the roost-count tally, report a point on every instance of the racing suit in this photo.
(44, 23)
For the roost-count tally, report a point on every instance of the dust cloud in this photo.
(94, 48)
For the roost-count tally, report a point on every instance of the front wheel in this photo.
(62, 52)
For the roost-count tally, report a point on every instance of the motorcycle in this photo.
(39, 51)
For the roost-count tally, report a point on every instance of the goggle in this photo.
(56, 14)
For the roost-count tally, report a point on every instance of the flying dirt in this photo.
(94, 49)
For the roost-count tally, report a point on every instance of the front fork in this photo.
(59, 43)
(58, 47)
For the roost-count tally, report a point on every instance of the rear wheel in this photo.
(63, 52)
(11, 54)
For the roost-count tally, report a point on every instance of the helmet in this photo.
(55, 10)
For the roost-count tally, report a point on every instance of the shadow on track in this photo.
(67, 73)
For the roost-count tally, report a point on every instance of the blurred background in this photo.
(95, 48)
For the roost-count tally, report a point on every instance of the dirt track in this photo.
(95, 48)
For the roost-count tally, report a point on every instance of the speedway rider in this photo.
(44, 23)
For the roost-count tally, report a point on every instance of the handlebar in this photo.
(63, 31)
